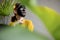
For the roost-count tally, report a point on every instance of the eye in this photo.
(21, 8)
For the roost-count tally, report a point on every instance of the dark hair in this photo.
(13, 19)
(18, 7)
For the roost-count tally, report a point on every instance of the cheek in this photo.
(15, 11)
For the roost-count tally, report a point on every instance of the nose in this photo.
(23, 9)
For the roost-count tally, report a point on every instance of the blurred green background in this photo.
(47, 29)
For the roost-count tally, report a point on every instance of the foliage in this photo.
(6, 7)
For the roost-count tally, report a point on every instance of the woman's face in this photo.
(22, 11)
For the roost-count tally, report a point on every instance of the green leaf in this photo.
(19, 33)
(6, 7)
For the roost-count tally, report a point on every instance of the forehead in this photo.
(22, 6)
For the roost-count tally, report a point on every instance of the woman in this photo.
(18, 18)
